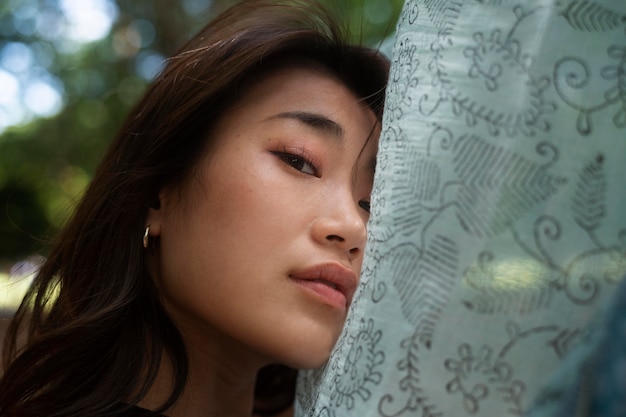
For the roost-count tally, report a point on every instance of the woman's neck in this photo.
(211, 390)
(220, 382)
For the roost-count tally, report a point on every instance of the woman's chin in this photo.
(310, 357)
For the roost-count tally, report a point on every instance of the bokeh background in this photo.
(69, 72)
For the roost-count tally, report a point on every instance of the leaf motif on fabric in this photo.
(424, 281)
(588, 16)
(498, 185)
(589, 199)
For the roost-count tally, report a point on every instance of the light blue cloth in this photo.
(498, 228)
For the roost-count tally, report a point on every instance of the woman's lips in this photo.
(333, 282)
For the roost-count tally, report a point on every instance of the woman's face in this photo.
(261, 252)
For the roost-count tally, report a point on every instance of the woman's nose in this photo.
(343, 226)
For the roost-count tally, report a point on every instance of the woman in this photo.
(221, 239)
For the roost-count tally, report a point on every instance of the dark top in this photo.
(139, 412)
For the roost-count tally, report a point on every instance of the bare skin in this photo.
(281, 194)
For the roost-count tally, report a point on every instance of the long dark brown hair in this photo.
(90, 334)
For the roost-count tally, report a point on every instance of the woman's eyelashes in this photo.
(298, 162)
(306, 166)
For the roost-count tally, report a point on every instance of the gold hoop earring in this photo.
(146, 237)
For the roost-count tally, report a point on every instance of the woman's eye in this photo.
(298, 162)
(365, 205)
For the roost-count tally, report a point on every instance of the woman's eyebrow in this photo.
(318, 122)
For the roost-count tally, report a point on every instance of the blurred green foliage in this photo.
(46, 162)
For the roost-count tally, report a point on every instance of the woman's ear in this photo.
(154, 218)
